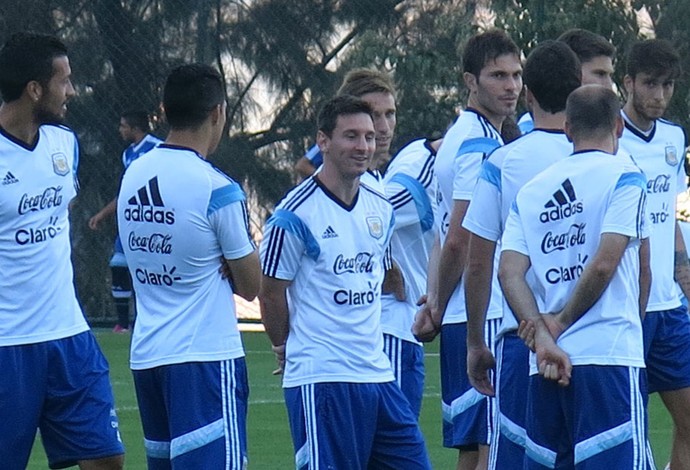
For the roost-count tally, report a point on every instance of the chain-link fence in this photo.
(280, 60)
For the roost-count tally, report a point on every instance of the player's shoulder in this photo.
(58, 130)
(299, 197)
(411, 159)
(374, 193)
(672, 127)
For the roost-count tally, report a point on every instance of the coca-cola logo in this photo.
(660, 184)
(50, 197)
(360, 263)
(575, 235)
(154, 243)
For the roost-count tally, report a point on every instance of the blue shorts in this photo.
(194, 414)
(667, 349)
(467, 414)
(512, 384)
(61, 387)
(407, 359)
(599, 421)
(354, 426)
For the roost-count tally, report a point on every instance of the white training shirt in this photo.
(135, 151)
(177, 216)
(502, 175)
(660, 155)
(37, 296)
(410, 186)
(557, 220)
(334, 256)
(465, 146)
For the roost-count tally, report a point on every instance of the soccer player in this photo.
(551, 73)
(54, 375)
(658, 147)
(134, 128)
(578, 227)
(410, 186)
(323, 256)
(493, 75)
(182, 218)
(596, 56)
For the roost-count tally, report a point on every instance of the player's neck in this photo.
(18, 121)
(545, 120)
(343, 187)
(496, 120)
(636, 119)
(138, 138)
(196, 140)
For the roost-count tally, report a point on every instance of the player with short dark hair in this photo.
(551, 73)
(134, 129)
(55, 377)
(493, 75)
(576, 230)
(323, 255)
(182, 218)
(658, 147)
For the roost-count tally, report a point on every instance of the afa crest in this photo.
(60, 165)
(671, 155)
(375, 225)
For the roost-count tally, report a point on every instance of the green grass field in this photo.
(270, 446)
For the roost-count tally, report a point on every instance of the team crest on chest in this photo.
(671, 155)
(60, 165)
(375, 225)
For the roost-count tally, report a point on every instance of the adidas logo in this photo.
(9, 179)
(142, 206)
(563, 204)
(329, 233)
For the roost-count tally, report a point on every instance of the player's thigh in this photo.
(512, 385)
(407, 360)
(667, 342)
(467, 414)
(608, 419)
(546, 426)
(22, 391)
(194, 414)
(398, 442)
(332, 424)
(79, 420)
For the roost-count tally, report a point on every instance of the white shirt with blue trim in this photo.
(661, 155)
(410, 186)
(465, 146)
(134, 151)
(334, 256)
(177, 216)
(37, 296)
(557, 221)
(502, 175)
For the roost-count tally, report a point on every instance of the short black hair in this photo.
(483, 47)
(27, 57)
(592, 110)
(341, 105)
(654, 56)
(138, 119)
(552, 71)
(587, 45)
(191, 92)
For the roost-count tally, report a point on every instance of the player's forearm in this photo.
(681, 271)
(109, 209)
(275, 315)
(450, 268)
(478, 287)
(517, 292)
(645, 276)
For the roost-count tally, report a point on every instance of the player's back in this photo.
(185, 309)
(563, 213)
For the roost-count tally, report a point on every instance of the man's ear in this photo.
(323, 141)
(34, 90)
(470, 81)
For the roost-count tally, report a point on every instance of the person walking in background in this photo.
(134, 129)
